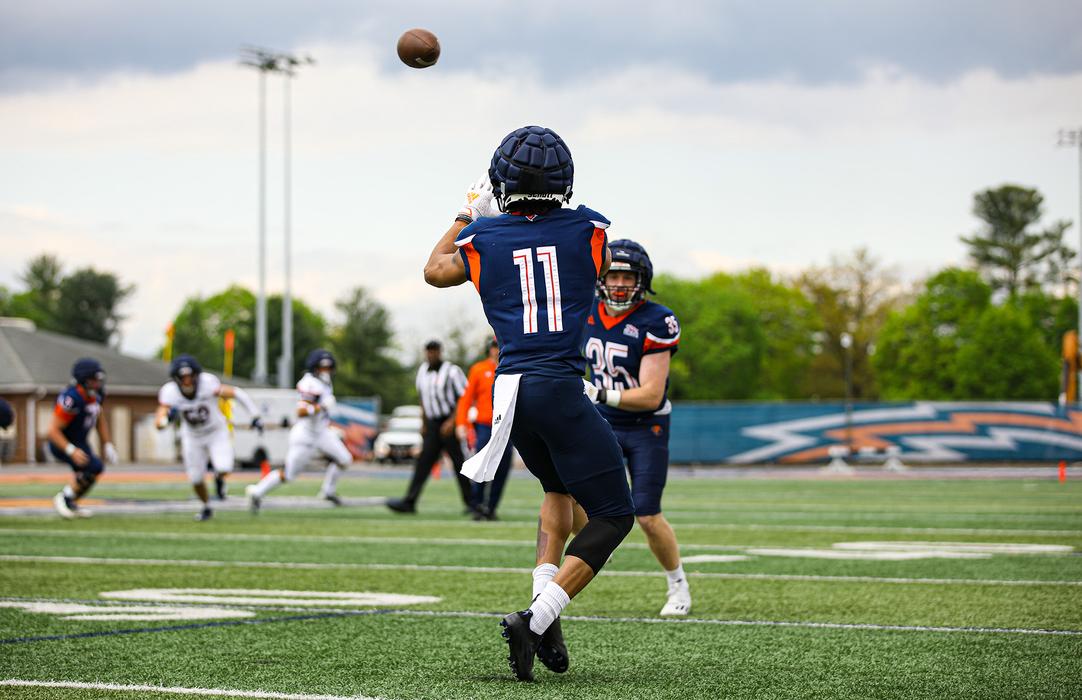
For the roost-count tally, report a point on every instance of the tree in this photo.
(199, 329)
(1005, 359)
(917, 353)
(362, 342)
(89, 305)
(41, 296)
(852, 295)
(1011, 254)
(722, 344)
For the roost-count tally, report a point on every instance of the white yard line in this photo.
(327, 539)
(701, 621)
(118, 561)
(203, 692)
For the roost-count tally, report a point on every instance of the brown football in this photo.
(418, 48)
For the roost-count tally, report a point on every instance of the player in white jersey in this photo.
(204, 433)
(311, 434)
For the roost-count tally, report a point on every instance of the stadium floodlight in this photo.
(267, 61)
(1073, 138)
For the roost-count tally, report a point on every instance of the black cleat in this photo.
(219, 487)
(401, 505)
(552, 651)
(523, 643)
(333, 498)
(204, 514)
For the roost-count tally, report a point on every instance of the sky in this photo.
(721, 135)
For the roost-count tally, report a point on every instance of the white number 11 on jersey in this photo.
(524, 261)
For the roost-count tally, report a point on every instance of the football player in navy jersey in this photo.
(77, 412)
(535, 264)
(629, 342)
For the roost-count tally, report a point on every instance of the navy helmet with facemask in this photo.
(84, 370)
(185, 366)
(532, 163)
(320, 361)
(627, 255)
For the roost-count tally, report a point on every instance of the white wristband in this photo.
(70, 449)
(612, 398)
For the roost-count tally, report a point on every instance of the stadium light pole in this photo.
(846, 340)
(289, 65)
(1073, 138)
(267, 61)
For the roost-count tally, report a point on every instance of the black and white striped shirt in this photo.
(439, 389)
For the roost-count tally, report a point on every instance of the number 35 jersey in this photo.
(536, 277)
(615, 347)
(200, 415)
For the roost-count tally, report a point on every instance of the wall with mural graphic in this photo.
(795, 433)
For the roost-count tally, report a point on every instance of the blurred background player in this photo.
(439, 384)
(535, 268)
(478, 395)
(311, 434)
(629, 343)
(204, 432)
(78, 410)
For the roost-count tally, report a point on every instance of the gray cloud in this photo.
(826, 41)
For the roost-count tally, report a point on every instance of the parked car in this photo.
(401, 439)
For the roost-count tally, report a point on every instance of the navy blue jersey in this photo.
(78, 412)
(536, 277)
(615, 346)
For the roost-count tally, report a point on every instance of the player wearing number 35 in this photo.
(204, 433)
(535, 263)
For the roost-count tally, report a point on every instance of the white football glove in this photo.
(590, 390)
(480, 201)
(111, 455)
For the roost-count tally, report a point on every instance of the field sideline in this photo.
(803, 587)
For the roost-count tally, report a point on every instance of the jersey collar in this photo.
(85, 394)
(610, 321)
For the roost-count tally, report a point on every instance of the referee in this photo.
(439, 384)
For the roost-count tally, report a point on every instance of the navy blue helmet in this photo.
(183, 366)
(85, 369)
(7, 415)
(627, 255)
(532, 163)
(319, 359)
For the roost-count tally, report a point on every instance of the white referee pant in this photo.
(304, 444)
(215, 448)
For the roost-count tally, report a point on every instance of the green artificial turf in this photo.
(763, 627)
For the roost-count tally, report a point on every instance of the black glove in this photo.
(257, 424)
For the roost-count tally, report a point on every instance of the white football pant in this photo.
(215, 448)
(303, 445)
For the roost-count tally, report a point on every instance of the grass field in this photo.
(1004, 622)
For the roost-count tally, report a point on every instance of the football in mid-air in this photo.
(418, 48)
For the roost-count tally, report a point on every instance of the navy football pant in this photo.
(569, 447)
(646, 447)
(85, 475)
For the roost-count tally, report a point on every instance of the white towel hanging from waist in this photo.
(482, 466)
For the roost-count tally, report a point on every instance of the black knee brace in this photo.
(85, 479)
(599, 539)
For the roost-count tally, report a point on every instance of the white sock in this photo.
(330, 481)
(69, 491)
(548, 605)
(677, 576)
(267, 483)
(542, 575)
